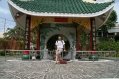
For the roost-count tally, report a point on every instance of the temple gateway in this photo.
(69, 18)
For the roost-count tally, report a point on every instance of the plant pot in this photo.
(26, 57)
(93, 57)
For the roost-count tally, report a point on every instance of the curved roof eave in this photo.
(60, 14)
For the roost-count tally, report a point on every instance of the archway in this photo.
(51, 45)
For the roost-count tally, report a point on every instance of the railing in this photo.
(18, 53)
(83, 54)
(101, 54)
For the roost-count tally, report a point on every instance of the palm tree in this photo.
(15, 34)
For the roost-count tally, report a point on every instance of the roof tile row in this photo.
(62, 6)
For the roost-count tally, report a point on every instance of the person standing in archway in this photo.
(59, 46)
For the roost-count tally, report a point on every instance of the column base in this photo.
(26, 57)
(93, 57)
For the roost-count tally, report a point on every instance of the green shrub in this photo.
(108, 45)
(117, 55)
(2, 53)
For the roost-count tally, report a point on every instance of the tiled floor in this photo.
(19, 69)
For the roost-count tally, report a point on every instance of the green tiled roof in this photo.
(62, 6)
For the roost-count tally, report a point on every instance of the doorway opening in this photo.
(51, 45)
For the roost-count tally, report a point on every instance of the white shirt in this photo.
(60, 44)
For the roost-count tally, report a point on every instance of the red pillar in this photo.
(38, 40)
(77, 41)
(27, 33)
(38, 44)
(27, 38)
(91, 36)
(93, 56)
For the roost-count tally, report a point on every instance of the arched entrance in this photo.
(51, 45)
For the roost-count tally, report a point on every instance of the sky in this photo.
(5, 13)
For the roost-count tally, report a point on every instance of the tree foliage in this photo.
(113, 16)
(83, 38)
(108, 45)
(110, 22)
(4, 43)
(14, 33)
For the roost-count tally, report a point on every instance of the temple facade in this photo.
(69, 18)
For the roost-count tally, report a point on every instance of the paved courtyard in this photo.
(48, 70)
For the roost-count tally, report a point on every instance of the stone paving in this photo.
(48, 70)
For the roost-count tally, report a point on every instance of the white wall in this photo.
(113, 30)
